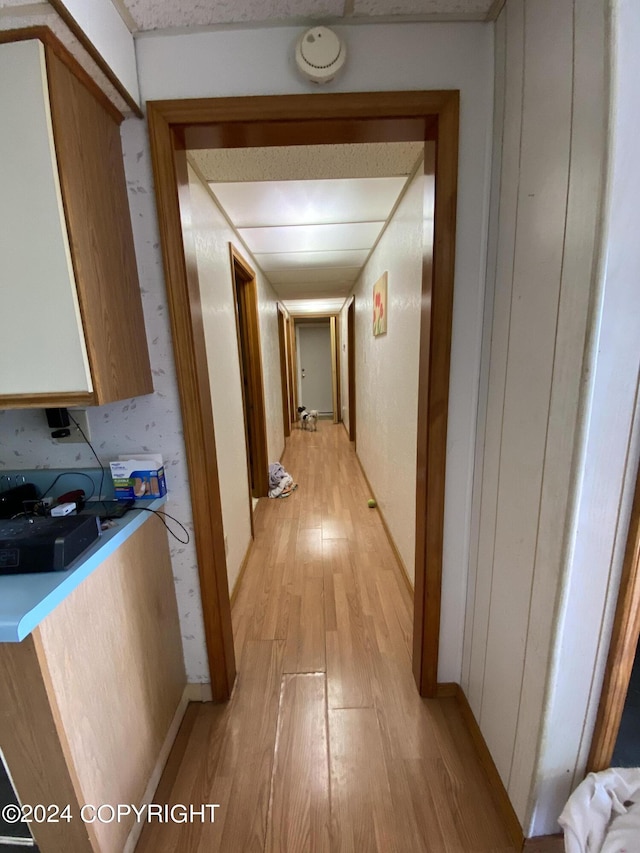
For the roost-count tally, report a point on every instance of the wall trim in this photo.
(243, 566)
(394, 547)
(544, 844)
(496, 787)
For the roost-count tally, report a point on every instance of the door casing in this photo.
(181, 125)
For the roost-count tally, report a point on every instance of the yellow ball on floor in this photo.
(371, 503)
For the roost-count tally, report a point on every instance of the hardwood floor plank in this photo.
(305, 648)
(299, 815)
(362, 806)
(323, 627)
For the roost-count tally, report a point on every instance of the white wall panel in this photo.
(211, 234)
(540, 215)
(538, 318)
(497, 333)
(387, 371)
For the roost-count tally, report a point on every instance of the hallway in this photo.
(325, 744)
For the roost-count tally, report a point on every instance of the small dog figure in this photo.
(308, 418)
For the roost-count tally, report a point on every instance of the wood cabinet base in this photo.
(88, 699)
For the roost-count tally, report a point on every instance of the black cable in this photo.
(72, 474)
(94, 453)
(159, 513)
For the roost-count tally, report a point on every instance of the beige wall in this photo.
(549, 145)
(212, 235)
(387, 371)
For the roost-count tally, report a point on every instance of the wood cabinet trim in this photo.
(52, 43)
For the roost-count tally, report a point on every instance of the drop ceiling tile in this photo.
(285, 291)
(164, 14)
(253, 204)
(300, 307)
(459, 9)
(289, 260)
(331, 275)
(305, 162)
(312, 238)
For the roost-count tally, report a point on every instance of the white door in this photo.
(315, 382)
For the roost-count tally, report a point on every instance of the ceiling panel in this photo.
(166, 14)
(312, 238)
(256, 203)
(289, 291)
(461, 9)
(300, 307)
(333, 275)
(298, 260)
(301, 162)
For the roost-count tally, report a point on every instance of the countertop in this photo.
(26, 600)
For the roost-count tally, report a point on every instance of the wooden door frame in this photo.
(335, 372)
(246, 288)
(622, 650)
(290, 369)
(284, 370)
(180, 125)
(351, 366)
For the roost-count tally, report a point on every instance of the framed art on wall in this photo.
(380, 306)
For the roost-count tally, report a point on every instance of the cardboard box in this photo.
(142, 477)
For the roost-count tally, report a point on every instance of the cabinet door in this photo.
(91, 168)
(42, 347)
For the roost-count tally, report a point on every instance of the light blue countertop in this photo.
(26, 600)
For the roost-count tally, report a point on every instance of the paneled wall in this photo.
(211, 236)
(387, 370)
(548, 163)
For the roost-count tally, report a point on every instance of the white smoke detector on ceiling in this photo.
(320, 54)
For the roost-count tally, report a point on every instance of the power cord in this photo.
(81, 431)
(72, 474)
(160, 515)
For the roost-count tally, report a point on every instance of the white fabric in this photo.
(596, 819)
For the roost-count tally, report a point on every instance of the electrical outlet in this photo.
(79, 415)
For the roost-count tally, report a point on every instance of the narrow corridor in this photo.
(325, 744)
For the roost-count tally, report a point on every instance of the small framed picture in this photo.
(380, 306)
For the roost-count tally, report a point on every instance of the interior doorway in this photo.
(351, 367)
(178, 126)
(285, 375)
(316, 376)
(248, 328)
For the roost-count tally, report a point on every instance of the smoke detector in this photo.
(320, 54)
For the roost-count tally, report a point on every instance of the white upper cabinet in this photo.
(71, 323)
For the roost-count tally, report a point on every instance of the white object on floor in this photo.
(603, 813)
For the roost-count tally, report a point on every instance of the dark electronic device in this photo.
(44, 544)
(58, 418)
(12, 501)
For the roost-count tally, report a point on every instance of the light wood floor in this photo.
(325, 744)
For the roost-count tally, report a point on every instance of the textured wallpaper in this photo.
(387, 370)
(151, 423)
